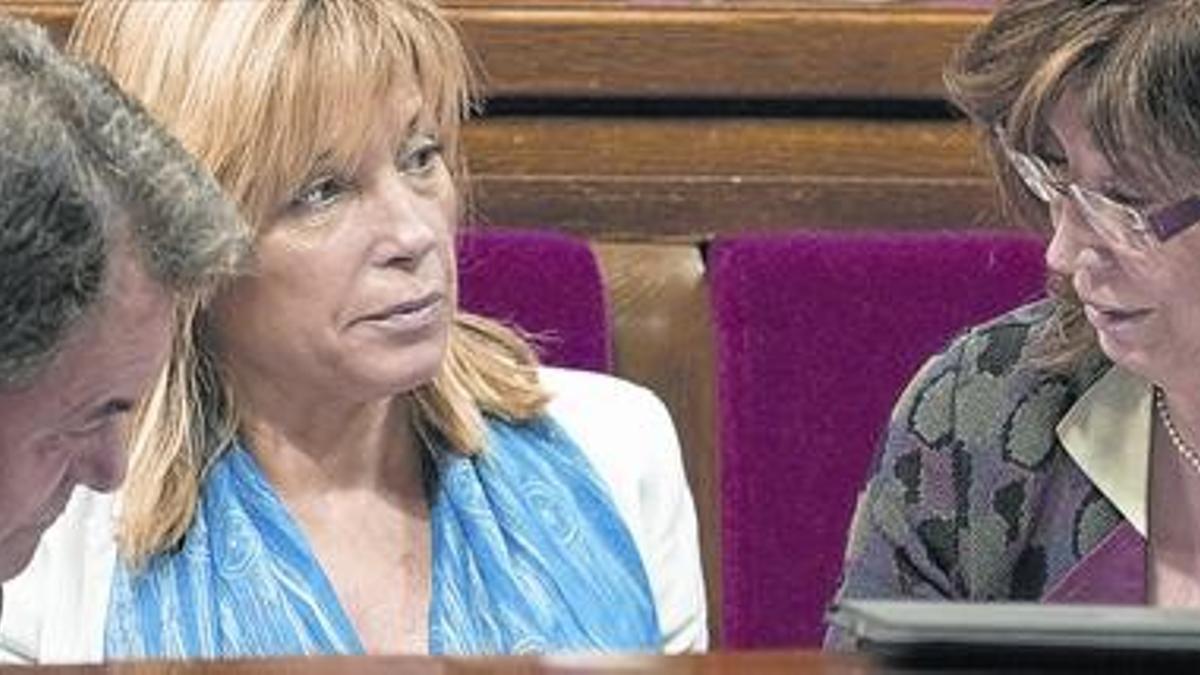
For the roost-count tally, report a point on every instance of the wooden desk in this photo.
(750, 663)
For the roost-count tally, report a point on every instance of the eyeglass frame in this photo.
(1162, 223)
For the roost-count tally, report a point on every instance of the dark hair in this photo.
(1136, 64)
(76, 153)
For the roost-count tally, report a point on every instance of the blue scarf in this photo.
(529, 555)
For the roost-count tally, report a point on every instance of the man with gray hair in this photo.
(106, 226)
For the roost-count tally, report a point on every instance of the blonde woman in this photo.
(337, 460)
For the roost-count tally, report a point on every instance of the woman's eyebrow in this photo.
(419, 119)
(324, 163)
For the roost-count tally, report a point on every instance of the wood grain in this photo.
(691, 179)
(756, 48)
(828, 50)
(662, 339)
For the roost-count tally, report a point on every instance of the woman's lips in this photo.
(410, 314)
(1107, 317)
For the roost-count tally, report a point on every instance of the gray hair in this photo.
(74, 152)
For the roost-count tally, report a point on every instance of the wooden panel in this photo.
(690, 179)
(697, 209)
(753, 49)
(767, 48)
(746, 146)
(662, 339)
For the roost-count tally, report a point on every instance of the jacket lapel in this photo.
(1113, 573)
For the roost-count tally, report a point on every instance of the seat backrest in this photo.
(816, 335)
(544, 283)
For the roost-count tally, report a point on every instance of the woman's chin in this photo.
(396, 374)
(1133, 357)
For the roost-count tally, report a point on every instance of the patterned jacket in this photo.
(974, 498)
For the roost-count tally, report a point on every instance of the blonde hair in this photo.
(1133, 62)
(242, 84)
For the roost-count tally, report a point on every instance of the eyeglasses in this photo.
(1120, 223)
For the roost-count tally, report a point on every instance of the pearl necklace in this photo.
(1160, 404)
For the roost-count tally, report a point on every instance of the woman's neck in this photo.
(315, 447)
(1183, 406)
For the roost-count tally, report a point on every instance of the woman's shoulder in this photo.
(1001, 353)
(985, 384)
(626, 433)
(575, 392)
(1000, 343)
(620, 426)
(608, 417)
(985, 390)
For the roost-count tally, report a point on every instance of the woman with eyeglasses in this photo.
(1053, 454)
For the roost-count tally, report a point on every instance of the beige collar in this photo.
(1107, 433)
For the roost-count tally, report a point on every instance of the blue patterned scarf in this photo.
(529, 555)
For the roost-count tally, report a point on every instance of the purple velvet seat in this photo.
(817, 333)
(546, 284)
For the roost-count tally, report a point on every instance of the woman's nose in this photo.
(407, 221)
(1074, 242)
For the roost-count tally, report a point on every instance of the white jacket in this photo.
(54, 612)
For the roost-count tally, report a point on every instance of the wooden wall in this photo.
(678, 119)
(685, 119)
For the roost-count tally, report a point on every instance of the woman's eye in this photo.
(319, 193)
(421, 157)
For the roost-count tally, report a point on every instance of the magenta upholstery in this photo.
(817, 333)
(546, 284)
